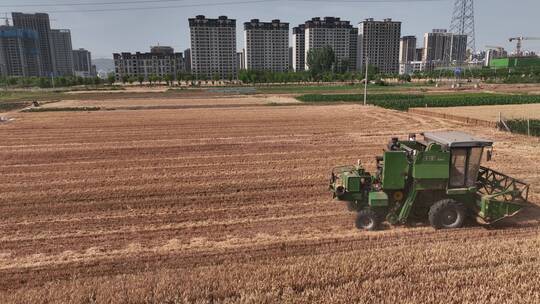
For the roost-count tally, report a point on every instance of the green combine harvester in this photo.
(439, 179)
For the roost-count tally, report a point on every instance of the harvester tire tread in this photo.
(367, 219)
(351, 206)
(439, 211)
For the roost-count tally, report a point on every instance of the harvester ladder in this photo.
(407, 206)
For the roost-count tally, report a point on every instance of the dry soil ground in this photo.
(230, 205)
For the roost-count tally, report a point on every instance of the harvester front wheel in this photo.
(367, 219)
(447, 214)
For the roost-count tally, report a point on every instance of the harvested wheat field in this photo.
(491, 113)
(178, 102)
(231, 205)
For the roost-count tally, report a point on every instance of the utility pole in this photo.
(4, 71)
(366, 81)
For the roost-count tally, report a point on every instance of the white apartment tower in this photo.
(331, 31)
(379, 42)
(213, 47)
(299, 48)
(266, 46)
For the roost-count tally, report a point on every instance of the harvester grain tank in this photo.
(439, 178)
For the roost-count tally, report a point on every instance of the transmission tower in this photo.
(463, 21)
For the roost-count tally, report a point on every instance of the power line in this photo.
(90, 3)
(157, 7)
(186, 5)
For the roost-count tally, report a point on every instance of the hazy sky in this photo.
(111, 31)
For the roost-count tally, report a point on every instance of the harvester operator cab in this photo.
(465, 155)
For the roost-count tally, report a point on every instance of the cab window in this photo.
(457, 169)
(465, 166)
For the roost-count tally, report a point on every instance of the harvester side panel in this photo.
(395, 170)
(432, 165)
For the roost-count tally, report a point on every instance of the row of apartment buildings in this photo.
(30, 48)
(267, 47)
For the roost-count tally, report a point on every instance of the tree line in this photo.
(48, 82)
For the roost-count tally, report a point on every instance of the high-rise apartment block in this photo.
(213, 47)
(299, 48)
(19, 52)
(187, 60)
(241, 59)
(82, 63)
(40, 23)
(354, 47)
(407, 49)
(419, 54)
(266, 45)
(379, 44)
(443, 47)
(161, 62)
(334, 32)
(63, 52)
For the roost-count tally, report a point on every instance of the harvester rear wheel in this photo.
(367, 219)
(447, 214)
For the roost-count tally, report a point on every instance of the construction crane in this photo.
(520, 43)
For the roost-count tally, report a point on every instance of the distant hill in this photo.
(104, 64)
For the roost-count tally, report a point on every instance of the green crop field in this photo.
(403, 102)
(522, 126)
(349, 88)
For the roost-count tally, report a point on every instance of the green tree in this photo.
(168, 79)
(152, 78)
(321, 60)
(140, 79)
(180, 77)
(111, 79)
(216, 77)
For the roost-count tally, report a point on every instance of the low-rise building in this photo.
(162, 62)
(411, 67)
